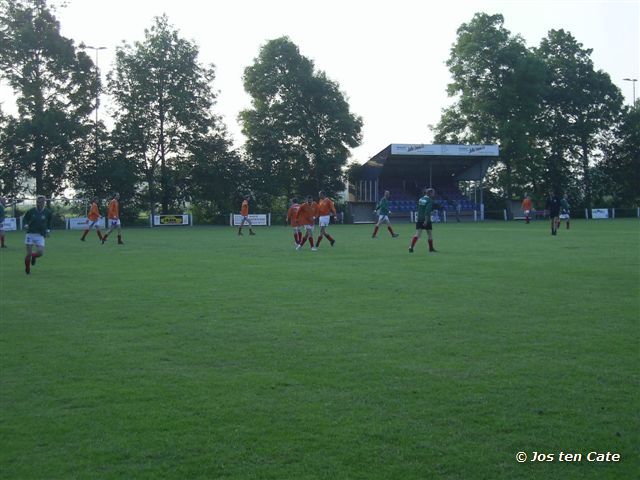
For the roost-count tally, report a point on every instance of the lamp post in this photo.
(633, 82)
(97, 50)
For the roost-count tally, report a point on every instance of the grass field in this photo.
(195, 353)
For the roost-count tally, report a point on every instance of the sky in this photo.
(388, 57)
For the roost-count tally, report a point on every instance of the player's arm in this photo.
(26, 220)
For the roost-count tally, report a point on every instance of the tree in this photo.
(498, 83)
(164, 100)
(620, 169)
(55, 87)
(299, 129)
(579, 105)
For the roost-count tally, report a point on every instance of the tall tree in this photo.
(579, 106)
(620, 169)
(299, 129)
(55, 86)
(498, 83)
(164, 98)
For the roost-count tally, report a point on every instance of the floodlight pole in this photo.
(633, 82)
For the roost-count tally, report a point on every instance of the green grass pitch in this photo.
(195, 353)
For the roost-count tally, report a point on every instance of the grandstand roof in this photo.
(462, 162)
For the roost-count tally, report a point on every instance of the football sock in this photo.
(2, 240)
(33, 258)
(567, 225)
(120, 239)
(84, 234)
(311, 241)
(318, 241)
(329, 237)
(27, 263)
(99, 234)
(304, 240)
(430, 245)
(295, 237)
(375, 231)
(413, 241)
(390, 230)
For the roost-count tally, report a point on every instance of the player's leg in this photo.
(27, 258)
(251, 232)
(375, 229)
(328, 236)
(120, 242)
(322, 233)
(241, 225)
(415, 238)
(390, 228)
(2, 244)
(430, 237)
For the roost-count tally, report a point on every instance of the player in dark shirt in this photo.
(553, 207)
(37, 222)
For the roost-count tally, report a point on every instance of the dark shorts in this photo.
(421, 226)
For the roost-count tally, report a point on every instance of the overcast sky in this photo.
(387, 56)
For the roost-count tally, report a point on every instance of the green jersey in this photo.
(383, 206)
(425, 206)
(564, 204)
(38, 221)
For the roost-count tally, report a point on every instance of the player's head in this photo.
(309, 199)
(387, 193)
(94, 200)
(40, 199)
(247, 197)
(116, 196)
(294, 200)
(429, 191)
(322, 194)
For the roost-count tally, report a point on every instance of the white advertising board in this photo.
(452, 150)
(9, 224)
(82, 223)
(599, 213)
(256, 219)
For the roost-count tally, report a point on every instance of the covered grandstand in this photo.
(405, 169)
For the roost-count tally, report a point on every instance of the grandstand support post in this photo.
(586, 214)
(231, 219)
(481, 208)
(637, 212)
(151, 220)
(505, 214)
(444, 216)
(269, 219)
(475, 215)
(613, 213)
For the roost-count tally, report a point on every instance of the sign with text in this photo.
(168, 220)
(82, 223)
(255, 218)
(599, 213)
(453, 150)
(9, 224)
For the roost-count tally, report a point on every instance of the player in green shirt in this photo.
(37, 222)
(564, 209)
(2, 214)
(383, 215)
(425, 207)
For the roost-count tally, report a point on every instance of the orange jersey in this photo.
(114, 209)
(94, 214)
(244, 210)
(326, 207)
(292, 215)
(307, 213)
(526, 204)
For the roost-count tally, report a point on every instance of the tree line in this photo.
(559, 122)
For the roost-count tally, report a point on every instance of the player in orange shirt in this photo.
(93, 217)
(326, 210)
(244, 211)
(292, 219)
(113, 215)
(306, 216)
(527, 207)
